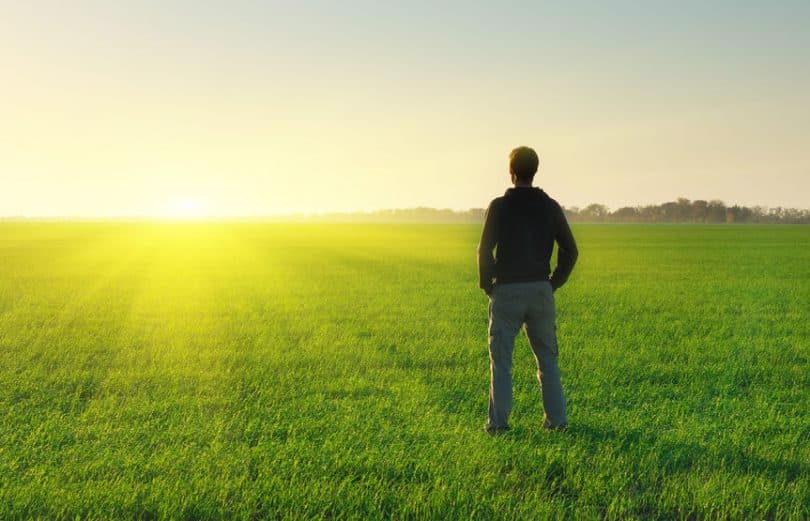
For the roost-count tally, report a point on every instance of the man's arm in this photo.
(567, 252)
(489, 238)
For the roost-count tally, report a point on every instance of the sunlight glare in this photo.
(185, 207)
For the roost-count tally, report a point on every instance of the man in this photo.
(523, 226)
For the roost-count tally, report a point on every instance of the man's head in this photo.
(523, 162)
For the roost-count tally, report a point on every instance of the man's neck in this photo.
(523, 185)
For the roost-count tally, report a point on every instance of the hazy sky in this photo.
(262, 107)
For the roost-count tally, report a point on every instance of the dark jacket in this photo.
(523, 225)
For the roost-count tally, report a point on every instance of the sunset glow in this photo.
(186, 207)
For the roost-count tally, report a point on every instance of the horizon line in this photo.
(328, 213)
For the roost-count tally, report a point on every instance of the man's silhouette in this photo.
(522, 226)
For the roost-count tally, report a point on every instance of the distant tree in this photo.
(595, 212)
(793, 216)
(670, 212)
(758, 214)
(626, 214)
(739, 214)
(684, 208)
(716, 212)
(700, 211)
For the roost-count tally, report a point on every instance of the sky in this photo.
(250, 108)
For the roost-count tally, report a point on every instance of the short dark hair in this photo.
(523, 162)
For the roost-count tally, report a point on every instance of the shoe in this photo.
(496, 431)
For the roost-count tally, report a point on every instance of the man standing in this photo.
(523, 226)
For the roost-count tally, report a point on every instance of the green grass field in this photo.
(203, 371)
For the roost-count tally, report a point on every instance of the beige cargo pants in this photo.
(510, 307)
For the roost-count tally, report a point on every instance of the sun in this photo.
(185, 207)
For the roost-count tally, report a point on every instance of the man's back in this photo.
(524, 224)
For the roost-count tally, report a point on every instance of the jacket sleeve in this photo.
(489, 239)
(567, 252)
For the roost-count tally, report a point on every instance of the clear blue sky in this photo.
(250, 108)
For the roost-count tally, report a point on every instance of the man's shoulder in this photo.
(497, 202)
(551, 201)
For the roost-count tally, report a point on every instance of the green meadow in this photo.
(251, 370)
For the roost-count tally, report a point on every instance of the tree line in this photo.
(685, 211)
(679, 211)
